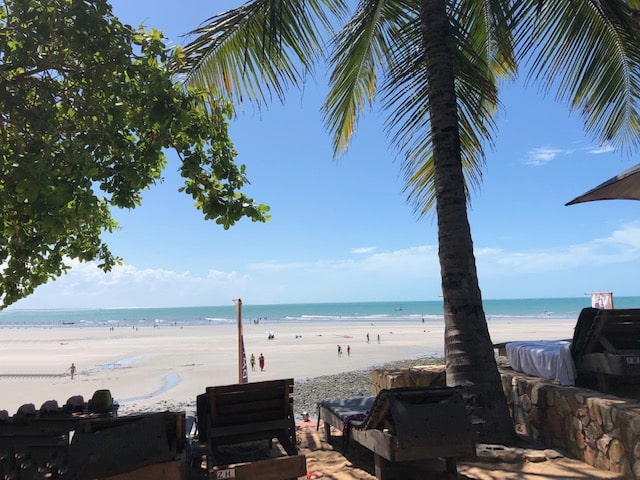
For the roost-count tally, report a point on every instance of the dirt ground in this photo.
(335, 461)
(331, 462)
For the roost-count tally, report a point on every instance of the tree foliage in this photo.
(437, 66)
(87, 108)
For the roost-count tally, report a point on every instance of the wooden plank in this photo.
(252, 389)
(175, 470)
(235, 410)
(272, 469)
(248, 397)
(608, 346)
(609, 364)
(245, 406)
(385, 445)
(596, 330)
(379, 442)
(247, 437)
(249, 419)
(246, 413)
(272, 425)
(622, 328)
(40, 426)
(250, 411)
(330, 420)
(120, 449)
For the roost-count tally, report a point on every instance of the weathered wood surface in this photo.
(249, 412)
(407, 424)
(280, 468)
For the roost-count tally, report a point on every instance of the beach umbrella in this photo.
(625, 185)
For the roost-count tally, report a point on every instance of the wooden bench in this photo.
(606, 344)
(241, 413)
(145, 447)
(403, 425)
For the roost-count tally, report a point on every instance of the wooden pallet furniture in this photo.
(404, 425)
(35, 442)
(606, 344)
(83, 446)
(150, 446)
(241, 413)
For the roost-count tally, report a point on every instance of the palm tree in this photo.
(439, 63)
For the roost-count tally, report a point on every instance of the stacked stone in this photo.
(601, 430)
(417, 376)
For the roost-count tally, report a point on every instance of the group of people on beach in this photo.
(348, 350)
(368, 337)
(252, 361)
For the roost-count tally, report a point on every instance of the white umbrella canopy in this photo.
(624, 186)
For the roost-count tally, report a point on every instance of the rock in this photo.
(535, 456)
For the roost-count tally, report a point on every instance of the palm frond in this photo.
(361, 49)
(254, 52)
(588, 51)
(483, 51)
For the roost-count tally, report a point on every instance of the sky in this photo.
(341, 230)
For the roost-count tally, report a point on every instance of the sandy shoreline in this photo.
(171, 365)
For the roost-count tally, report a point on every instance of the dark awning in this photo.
(625, 185)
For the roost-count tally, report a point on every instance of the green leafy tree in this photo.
(435, 66)
(87, 108)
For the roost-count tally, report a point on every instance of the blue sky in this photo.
(341, 230)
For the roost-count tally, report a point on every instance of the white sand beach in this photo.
(166, 367)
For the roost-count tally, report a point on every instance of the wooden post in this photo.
(243, 374)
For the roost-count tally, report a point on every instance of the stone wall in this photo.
(423, 376)
(600, 430)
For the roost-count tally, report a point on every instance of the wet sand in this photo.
(168, 366)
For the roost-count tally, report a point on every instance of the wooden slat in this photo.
(272, 425)
(249, 406)
(252, 411)
(40, 426)
(621, 328)
(175, 470)
(273, 469)
(248, 389)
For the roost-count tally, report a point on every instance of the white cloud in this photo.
(363, 250)
(622, 245)
(370, 275)
(543, 155)
(604, 148)
(402, 274)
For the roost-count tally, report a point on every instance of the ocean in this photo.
(430, 311)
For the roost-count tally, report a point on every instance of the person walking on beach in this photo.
(378, 338)
(339, 351)
(348, 350)
(72, 369)
(261, 362)
(367, 337)
(252, 360)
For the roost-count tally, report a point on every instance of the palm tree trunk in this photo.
(470, 359)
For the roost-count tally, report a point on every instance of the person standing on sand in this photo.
(72, 369)
(348, 350)
(261, 362)
(367, 337)
(378, 338)
(252, 360)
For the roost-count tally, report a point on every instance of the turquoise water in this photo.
(543, 308)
